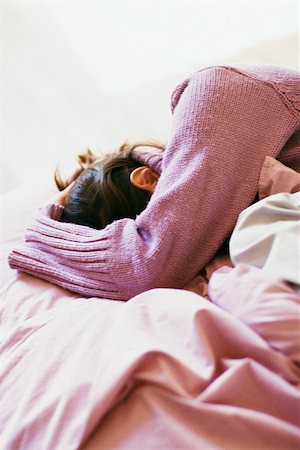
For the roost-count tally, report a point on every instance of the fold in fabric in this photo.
(267, 235)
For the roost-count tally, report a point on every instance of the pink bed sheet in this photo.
(168, 369)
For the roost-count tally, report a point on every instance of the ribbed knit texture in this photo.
(151, 158)
(225, 121)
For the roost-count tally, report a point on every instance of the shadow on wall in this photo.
(283, 52)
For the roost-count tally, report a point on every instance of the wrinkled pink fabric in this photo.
(269, 305)
(167, 369)
(275, 177)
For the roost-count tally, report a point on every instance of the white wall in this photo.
(78, 74)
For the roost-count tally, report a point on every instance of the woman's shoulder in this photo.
(267, 72)
(213, 78)
(263, 71)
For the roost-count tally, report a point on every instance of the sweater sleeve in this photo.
(225, 123)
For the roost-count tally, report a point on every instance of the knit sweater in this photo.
(226, 120)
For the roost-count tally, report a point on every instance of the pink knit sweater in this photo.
(225, 121)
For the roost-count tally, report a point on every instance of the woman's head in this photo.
(108, 188)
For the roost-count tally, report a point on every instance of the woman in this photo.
(110, 187)
(225, 122)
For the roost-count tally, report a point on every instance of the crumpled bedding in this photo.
(168, 369)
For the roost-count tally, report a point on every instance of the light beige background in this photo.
(94, 73)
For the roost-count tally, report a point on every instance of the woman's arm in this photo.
(224, 125)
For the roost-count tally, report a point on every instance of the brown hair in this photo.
(102, 191)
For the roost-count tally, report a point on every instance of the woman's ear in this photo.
(144, 178)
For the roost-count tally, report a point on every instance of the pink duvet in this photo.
(169, 369)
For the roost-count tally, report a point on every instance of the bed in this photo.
(215, 366)
(169, 369)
